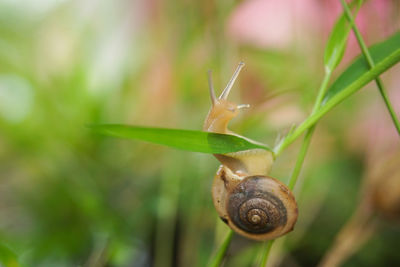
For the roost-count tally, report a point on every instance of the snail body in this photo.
(246, 199)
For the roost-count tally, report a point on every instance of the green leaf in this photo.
(189, 140)
(336, 44)
(385, 55)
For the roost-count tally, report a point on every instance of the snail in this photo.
(246, 199)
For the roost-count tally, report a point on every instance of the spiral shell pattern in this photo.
(258, 207)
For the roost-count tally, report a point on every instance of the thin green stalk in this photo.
(371, 64)
(302, 153)
(321, 93)
(300, 157)
(307, 137)
(333, 101)
(338, 97)
(267, 249)
(322, 90)
(219, 255)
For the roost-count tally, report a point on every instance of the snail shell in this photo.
(257, 207)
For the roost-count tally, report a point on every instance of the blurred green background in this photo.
(72, 198)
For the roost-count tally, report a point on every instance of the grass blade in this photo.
(371, 64)
(220, 254)
(385, 55)
(196, 141)
(336, 44)
(266, 250)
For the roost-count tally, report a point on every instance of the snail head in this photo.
(222, 110)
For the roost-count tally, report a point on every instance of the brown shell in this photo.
(257, 207)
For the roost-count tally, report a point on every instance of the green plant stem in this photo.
(266, 250)
(307, 137)
(371, 64)
(220, 253)
(300, 158)
(335, 100)
(302, 153)
(322, 90)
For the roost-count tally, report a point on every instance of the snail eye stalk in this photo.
(243, 106)
(211, 88)
(229, 86)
